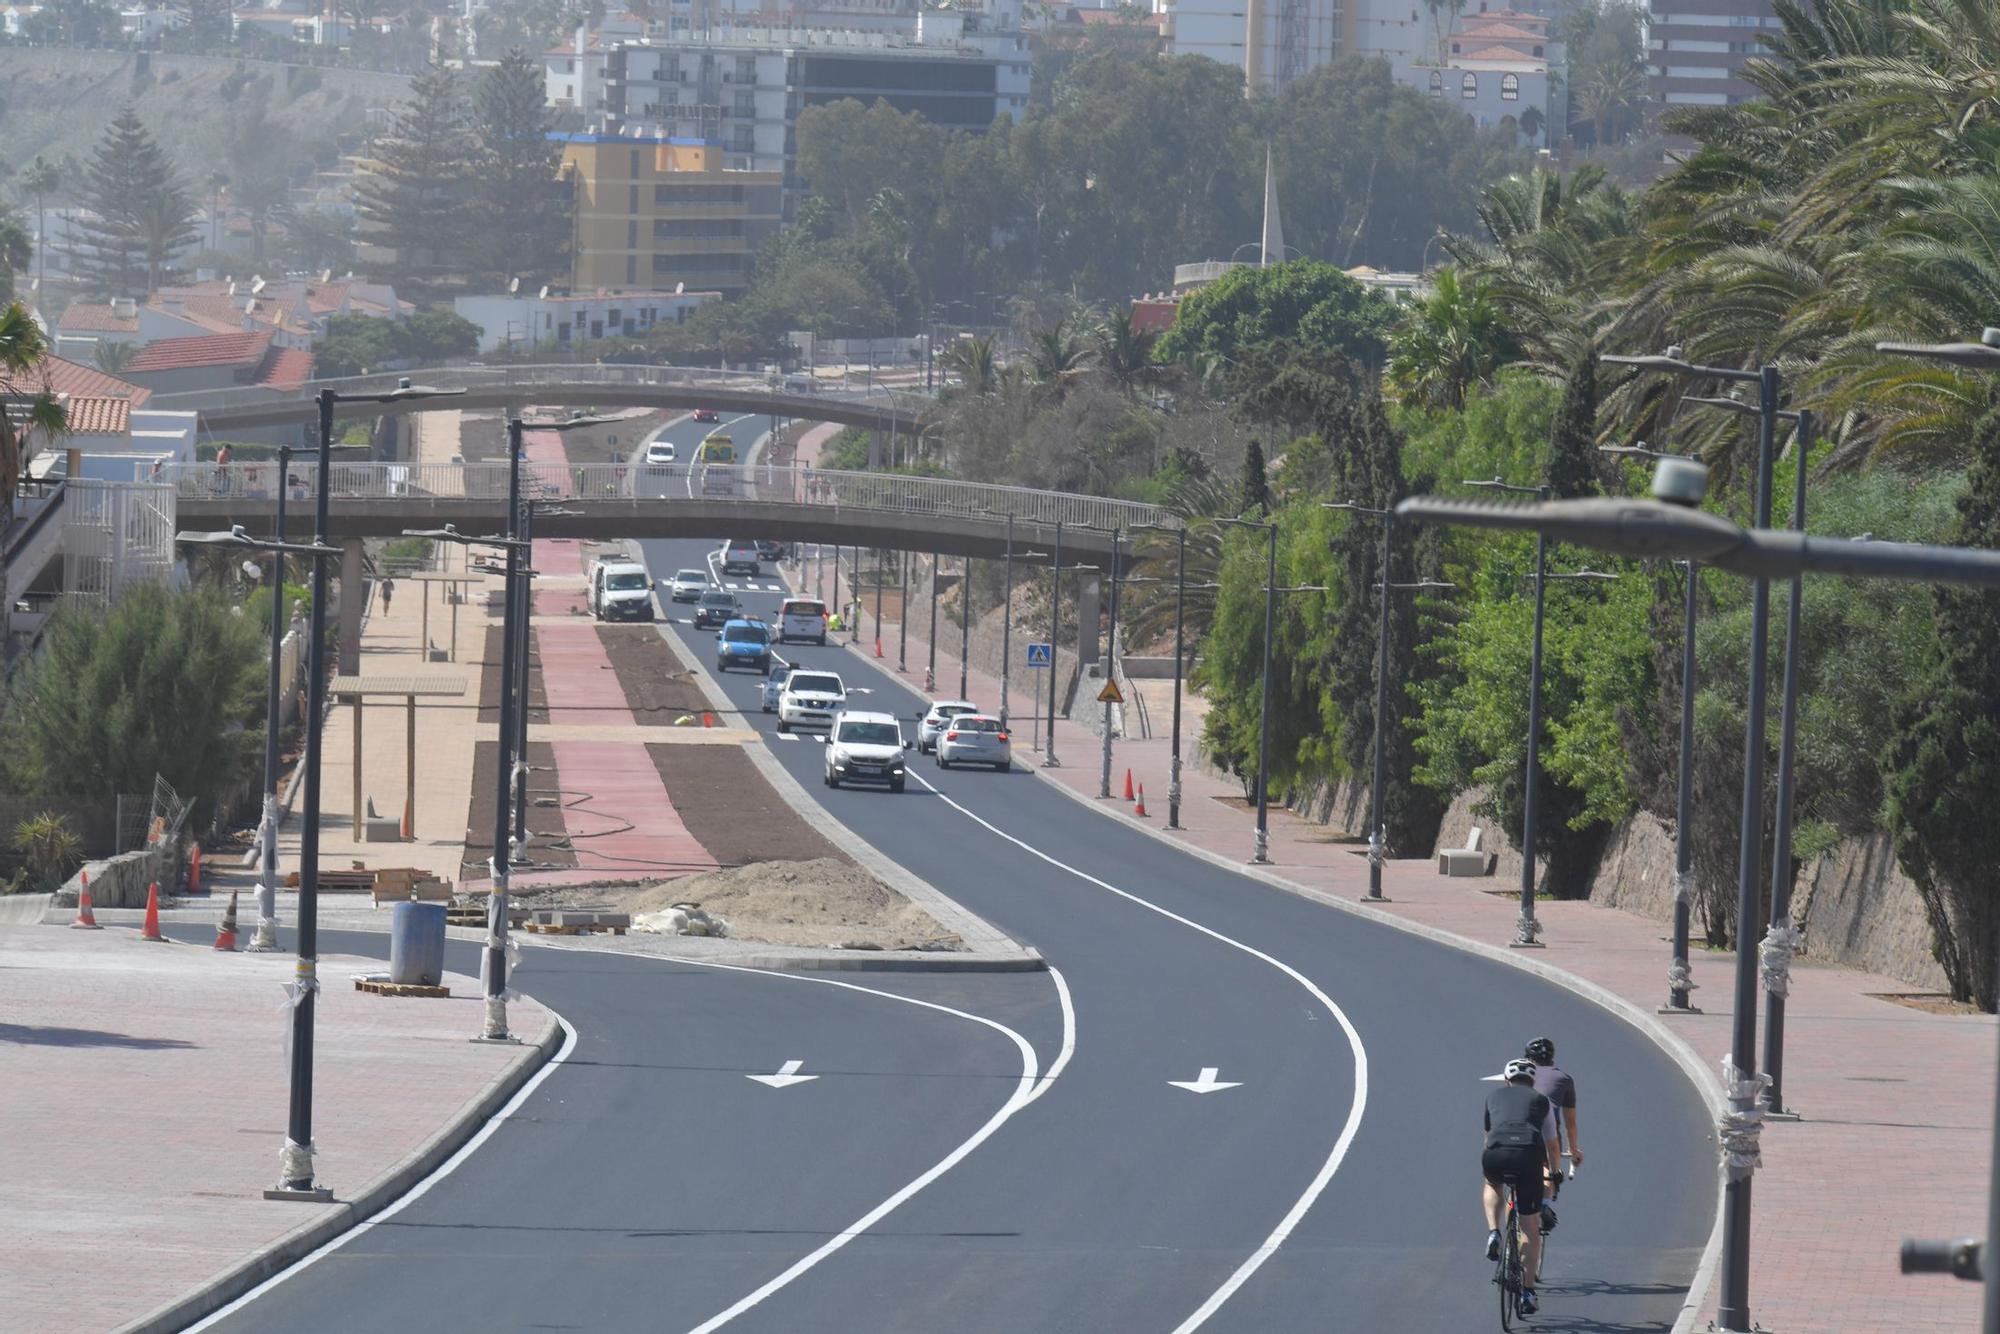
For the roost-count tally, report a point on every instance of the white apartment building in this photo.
(1276, 41)
(521, 324)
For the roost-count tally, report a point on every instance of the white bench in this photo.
(1471, 859)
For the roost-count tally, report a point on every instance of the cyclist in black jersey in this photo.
(1519, 1150)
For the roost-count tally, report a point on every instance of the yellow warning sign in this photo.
(1110, 694)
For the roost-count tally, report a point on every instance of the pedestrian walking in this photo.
(388, 591)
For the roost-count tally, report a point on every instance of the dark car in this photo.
(705, 414)
(716, 608)
(770, 551)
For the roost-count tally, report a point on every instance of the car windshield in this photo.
(744, 634)
(778, 675)
(623, 582)
(944, 711)
(804, 609)
(815, 683)
(717, 600)
(963, 724)
(871, 734)
(690, 577)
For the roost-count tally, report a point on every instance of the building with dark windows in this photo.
(1697, 48)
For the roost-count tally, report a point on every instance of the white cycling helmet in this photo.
(1518, 1069)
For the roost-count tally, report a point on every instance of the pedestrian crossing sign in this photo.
(1038, 655)
(1110, 694)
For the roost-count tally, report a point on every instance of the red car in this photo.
(706, 415)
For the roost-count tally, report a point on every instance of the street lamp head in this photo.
(575, 421)
(404, 391)
(1636, 528)
(1497, 484)
(1982, 355)
(1679, 480)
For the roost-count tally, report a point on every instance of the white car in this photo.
(620, 591)
(774, 686)
(687, 585)
(940, 712)
(866, 748)
(660, 451)
(975, 738)
(810, 699)
(802, 619)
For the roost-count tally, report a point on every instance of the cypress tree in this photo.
(415, 203)
(1944, 765)
(1255, 496)
(1573, 457)
(139, 218)
(522, 227)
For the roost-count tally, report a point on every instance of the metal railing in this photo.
(487, 378)
(669, 483)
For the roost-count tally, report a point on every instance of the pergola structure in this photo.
(355, 689)
(451, 582)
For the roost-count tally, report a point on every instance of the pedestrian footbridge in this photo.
(611, 501)
(873, 407)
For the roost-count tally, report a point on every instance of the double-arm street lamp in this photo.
(1261, 848)
(1007, 620)
(1526, 928)
(1377, 837)
(1179, 532)
(1733, 1307)
(1652, 530)
(530, 507)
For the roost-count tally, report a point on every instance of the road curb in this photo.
(1672, 1044)
(376, 1196)
(992, 950)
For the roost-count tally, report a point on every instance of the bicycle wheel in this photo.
(1507, 1272)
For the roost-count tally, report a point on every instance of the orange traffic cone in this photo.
(878, 645)
(1128, 785)
(1140, 809)
(152, 931)
(225, 935)
(707, 719)
(86, 920)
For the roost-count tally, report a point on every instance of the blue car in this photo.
(743, 644)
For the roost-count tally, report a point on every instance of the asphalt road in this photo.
(649, 1184)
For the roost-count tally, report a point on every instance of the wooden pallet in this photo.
(551, 929)
(379, 988)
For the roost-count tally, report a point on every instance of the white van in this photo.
(804, 620)
(620, 590)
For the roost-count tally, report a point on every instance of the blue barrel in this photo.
(416, 944)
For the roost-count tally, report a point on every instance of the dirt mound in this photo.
(824, 902)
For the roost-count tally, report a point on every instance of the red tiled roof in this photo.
(98, 416)
(286, 368)
(1486, 30)
(230, 349)
(1153, 316)
(1502, 53)
(62, 376)
(91, 317)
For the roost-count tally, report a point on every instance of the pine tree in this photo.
(1945, 764)
(415, 204)
(1573, 457)
(139, 218)
(1254, 498)
(522, 226)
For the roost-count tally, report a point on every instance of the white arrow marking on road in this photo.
(860, 690)
(788, 1075)
(1208, 1083)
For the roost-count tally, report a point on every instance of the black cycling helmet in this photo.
(1542, 1051)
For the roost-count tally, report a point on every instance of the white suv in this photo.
(811, 699)
(866, 748)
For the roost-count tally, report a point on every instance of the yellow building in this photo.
(653, 213)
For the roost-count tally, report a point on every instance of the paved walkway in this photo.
(1878, 1082)
(151, 1082)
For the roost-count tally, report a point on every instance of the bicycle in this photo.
(1508, 1270)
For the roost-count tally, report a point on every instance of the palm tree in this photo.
(113, 358)
(1448, 342)
(1126, 353)
(972, 361)
(38, 181)
(1056, 356)
(24, 409)
(1607, 94)
(17, 248)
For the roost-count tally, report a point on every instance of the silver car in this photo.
(975, 738)
(688, 585)
(774, 685)
(940, 712)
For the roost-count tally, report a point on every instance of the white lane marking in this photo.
(1208, 1083)
(1324, 1177)
(1025, 1092)
(788, 736)
(415, 1193)
(788, 1075)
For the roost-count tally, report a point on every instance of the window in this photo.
(1437, 83)
(746, 104)
(632, 234)
(611, 317)
(1510, 87)
(1468, 87)
(634, 173)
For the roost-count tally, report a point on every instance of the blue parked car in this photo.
(743, 643)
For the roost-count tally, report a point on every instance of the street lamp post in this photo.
(1261, 848)
(903, 617)
(1110, 663)
(1740, 1073)
(964, 626)
(879, 581)
(930, 668)
(1378, 838)
(1680, 981)
(295, 1157)
(1049, 760)
(1180, 655)
(1007, 623)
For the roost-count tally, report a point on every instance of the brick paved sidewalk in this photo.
(151, 1082)
(1879, 1083)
